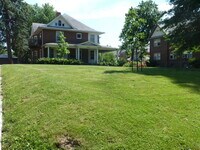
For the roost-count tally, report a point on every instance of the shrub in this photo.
(108, 59)
(195, 62)
(60, 61)
(121, 61)
(151, 63)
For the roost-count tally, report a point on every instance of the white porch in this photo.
(87, 52)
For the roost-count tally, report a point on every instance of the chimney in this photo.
(58, 13)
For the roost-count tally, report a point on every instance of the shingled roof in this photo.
(75, 24)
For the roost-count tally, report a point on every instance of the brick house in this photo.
(161, 53)
(83, 41)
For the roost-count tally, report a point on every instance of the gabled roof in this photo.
(35, 27)
(75, 24)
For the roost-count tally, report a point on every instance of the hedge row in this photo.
(60, 61)
(195, 62)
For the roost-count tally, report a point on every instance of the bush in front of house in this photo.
(121, 61)
(195, 62)
(152, 63)
(59, 61)
(108, 59)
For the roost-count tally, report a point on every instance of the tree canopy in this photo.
(183, 24)
(16, 18)
(138, 26)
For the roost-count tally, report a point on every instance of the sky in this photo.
(102, 15)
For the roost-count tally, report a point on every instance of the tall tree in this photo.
(14, 27)
(43, 14)
(183, 25)
(139, 23)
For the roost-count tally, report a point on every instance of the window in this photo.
(157, 42)
(98, 41)
(156, 56)
(172, 56)
(59, 22)
(63, 24)
(92, 38)
(78, 35)
(92, 55)
(187, 55)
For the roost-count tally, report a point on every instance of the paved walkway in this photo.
(1, 97)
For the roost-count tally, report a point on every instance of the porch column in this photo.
(48, 52)
(78, 51)
(97, 56)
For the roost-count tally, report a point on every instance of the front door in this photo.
(91, 57)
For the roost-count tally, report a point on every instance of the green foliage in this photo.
(108, 59)
(15, 18)
(121, 61)
(62, 49)
(138, 26)
(58, 61)
(139, 23)
(195, 62)
(183, 24)
(43, 14)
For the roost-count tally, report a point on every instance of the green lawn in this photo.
(100, 108)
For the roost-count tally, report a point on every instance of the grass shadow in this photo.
(117, 71)
(183, 77)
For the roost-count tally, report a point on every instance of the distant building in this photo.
(161, 53)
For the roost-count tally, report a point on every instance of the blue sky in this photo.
(103, 15)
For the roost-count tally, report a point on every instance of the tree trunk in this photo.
(132, 58)
(137, 59)
(141, 63)
(7, 25)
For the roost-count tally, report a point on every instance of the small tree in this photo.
(62, 48)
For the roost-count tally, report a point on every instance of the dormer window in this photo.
(78, 35)
(59, 23)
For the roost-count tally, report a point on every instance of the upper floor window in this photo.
(157, 56)
(78, 35)
(157, 42)
(92, 38)
(59, 22)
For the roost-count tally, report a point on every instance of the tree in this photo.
(139, 23)
(14, 27)
(43, 14)
(183, 25)
(62, 48)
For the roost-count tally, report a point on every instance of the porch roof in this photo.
(85, 45)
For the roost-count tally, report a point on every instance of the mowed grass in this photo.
(101, 107)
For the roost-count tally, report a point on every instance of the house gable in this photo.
(157, 32)
(59, 22)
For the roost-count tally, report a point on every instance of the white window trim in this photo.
(155, 56)
(157, 42)
(80, 36)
